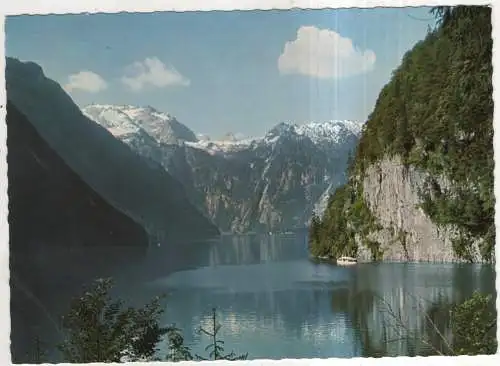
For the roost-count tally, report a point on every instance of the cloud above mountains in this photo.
(87, 81)
(324, 54)
(154, 73)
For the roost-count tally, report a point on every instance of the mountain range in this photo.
(268, 183)
(165, 177)
(134, 185)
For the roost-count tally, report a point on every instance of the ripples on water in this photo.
(275, 303)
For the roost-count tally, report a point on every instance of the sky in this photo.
(218, 72)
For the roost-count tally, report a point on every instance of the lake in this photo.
(273, 302)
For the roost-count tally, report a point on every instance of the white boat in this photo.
(346, 261)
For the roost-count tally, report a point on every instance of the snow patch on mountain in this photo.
(330, 131)
(123, 120)
(127, 119)
(327, 132)
(114, 119)
(221, 146)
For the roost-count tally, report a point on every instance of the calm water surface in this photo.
(273, 302)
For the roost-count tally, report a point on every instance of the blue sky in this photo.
(220, 72)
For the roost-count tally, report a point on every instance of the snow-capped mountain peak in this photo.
(127, 119)
(331, 131)
(281, 129)
(113, 118)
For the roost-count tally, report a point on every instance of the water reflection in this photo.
(272, 301)
(275, 324)
(404, 309)
(252, 249)
(275, 303)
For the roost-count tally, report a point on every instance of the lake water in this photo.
(273, 302)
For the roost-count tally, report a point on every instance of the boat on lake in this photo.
(346, 261)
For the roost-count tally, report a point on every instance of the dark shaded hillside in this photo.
(49, 205)
(55, 218)
(434, 117)
(53, 215)
(135, 185)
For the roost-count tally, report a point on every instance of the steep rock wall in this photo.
(391, 191)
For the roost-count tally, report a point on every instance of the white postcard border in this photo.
(17, 7)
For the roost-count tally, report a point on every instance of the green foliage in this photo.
(178, 351)
(374, 246)
(474, 325)
(99, 329)
(216, 347)
(314, 231)
(449, 329)
(345, 216)
(436, 114)
(331, 237)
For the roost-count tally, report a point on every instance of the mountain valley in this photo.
(270, 183)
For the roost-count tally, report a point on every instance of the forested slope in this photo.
(421, 179)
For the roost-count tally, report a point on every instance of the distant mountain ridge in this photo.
(165, 128)
(135, 185)
(266, 183)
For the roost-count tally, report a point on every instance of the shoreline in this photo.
(332, 260)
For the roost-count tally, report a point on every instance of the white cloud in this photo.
(87, 81)
(323, 53)
(153, 72)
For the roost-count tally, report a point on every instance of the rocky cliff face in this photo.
(263, 187)
(269, 183)
(391, 192)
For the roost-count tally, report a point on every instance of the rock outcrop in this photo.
(391, 192)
